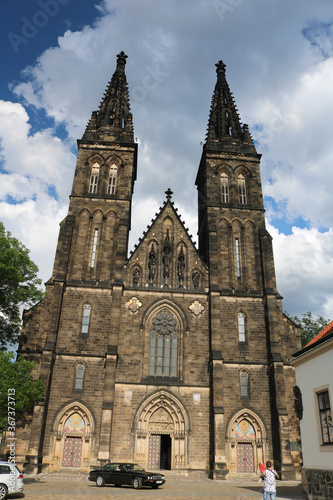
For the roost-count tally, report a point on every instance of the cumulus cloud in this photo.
(35, 179)
(31, 162)
(279, 66)
(304, 266)
(297, 134)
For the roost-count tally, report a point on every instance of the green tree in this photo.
(310, 325)
(19, 286)
(16, 384)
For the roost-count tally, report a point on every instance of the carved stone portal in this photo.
(161, 421)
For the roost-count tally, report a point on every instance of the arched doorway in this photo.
(245, 436)
(161, 427)
(246, 442)
(74, 430)
(71, 437)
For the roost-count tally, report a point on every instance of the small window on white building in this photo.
(94, 178)
(325, 416)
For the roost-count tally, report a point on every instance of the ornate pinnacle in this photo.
(168, 193)
(121, 59)
(220, 67)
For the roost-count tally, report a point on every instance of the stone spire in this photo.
(113, 121)
(225, 131)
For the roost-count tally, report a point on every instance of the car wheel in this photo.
(100, 481)
(3, 491)
(137, 483)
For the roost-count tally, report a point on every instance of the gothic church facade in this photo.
(172, 357)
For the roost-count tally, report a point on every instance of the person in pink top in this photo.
(261, 470)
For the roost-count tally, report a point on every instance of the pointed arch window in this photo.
(164, 333)
(228, 128)
(238, 266)
(112, 179)
(241, 327)
(94, 178)
(86, 319)
(224, 188)
(244, 385)
(79, 376)
(242, 189)
(94, 249)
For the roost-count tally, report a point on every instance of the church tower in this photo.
(95, 232)
(171, 357)
(249, 340)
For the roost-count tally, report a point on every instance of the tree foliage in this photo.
(16, 377)
(310, 325)
(19, 285)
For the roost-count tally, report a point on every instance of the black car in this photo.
(123, 473)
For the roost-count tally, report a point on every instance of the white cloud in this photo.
(40, 158)
(281, 83)
(33, 165)
(299, 135)
(304, 266)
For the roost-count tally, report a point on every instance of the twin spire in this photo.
(113, 121)
(225, 131)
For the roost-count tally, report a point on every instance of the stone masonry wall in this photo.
(318, 484)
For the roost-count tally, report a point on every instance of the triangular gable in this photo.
(166, 255)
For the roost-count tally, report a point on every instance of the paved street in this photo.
(58, 486)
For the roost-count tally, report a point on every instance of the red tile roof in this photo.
(325, 331)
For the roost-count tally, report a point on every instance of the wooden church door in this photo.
(72, 452)
(245, 460)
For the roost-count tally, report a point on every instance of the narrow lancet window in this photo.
(224, 188)
(85, 319)
(94, 249)
(79, 376)
(241, 327)
(244, 385)
(242, 189)
(112, 180)
(238, 268)
(94, 178)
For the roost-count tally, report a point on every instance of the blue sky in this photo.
(57, 57)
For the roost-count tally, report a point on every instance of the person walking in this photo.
(270, 475)
(261, 471)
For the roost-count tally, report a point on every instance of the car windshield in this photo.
(109, 467)
(134, 467)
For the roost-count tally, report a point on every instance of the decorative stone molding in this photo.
(134, 304)
(196, 308)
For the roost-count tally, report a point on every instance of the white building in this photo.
(314, 378)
